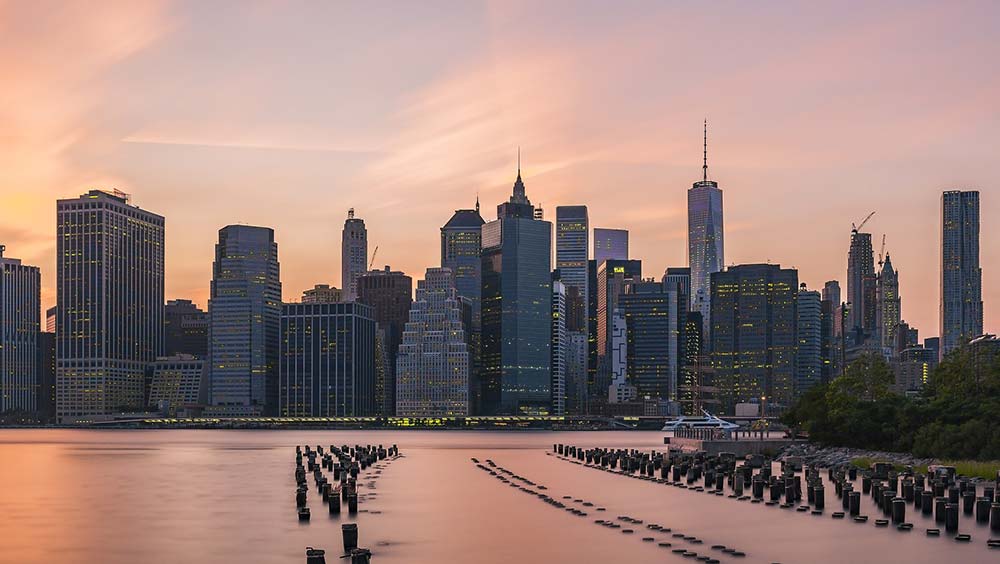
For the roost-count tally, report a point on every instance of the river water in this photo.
(189, 496)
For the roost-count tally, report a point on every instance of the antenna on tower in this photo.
(704, 166)
(518, 160)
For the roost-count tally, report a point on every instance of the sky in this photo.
(287, 114)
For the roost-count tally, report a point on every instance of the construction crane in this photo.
(856, 228)
(881, 252)
(375, 252)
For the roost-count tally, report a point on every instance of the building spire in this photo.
(704, 166)
(477, 202)
(519, 161)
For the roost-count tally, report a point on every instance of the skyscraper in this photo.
(651, 321)
(753, 334)
(19, 328)
(576, 373)
(559, 347)
(327, 360)
(619, 388)
(706, 251)
(353, 255)
(433, 361)
(390, 293)
(887, 304)
(961, 275)
(572, 253)
(185, 328)
(516, 309)
(613, 276)
(244, 315)
(809, 338)
(861, 287)
(831, 292)
(109, 286)
(610, 244)
(461, 244)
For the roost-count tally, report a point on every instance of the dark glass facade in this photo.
(327, 360)
(516, 310)
(652, 333)
(753, 334)
(244, 312)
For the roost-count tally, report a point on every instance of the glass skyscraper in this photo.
(753, 334)
(961, 275)
(861, 286)
(610, 244)
(516, 309)
(651, 321)
(327, 360)
(706, 251)
(461, 245)
(244, 313)
(809, 338)
(109, 314)
(19, 328)
(572, 253)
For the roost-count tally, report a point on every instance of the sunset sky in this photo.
(286, 114)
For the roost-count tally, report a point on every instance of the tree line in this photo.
(955, 416)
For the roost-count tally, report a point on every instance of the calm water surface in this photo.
(117, 497)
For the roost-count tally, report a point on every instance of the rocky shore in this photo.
(826, 457)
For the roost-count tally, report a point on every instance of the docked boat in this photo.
(706, 421)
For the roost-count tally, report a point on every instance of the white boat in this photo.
(706, 421)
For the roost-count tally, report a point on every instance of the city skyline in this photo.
(822, 156)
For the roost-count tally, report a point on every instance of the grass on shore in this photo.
(971, 468)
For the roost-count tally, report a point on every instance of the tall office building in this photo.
(244, 315)
(689, 345)
(576, 373)
(861, 287)
(433, 362)
(828, 342)
(185, 328)
(390, 293)
(322, 294)
(20, 303)
(572, 254)
(706, 250)
(651, 321)
(46, 395)
(961, 276)
(109, 286)
(516, 309)
(559, 347)
(610, 244)
(831, 292)
(461, 244)
(620, 390)
(353, 255)
(327, 360)
(887, 304)
(613, 276)
(809, 337)
(753, 334)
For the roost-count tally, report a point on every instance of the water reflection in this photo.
(116, 497)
